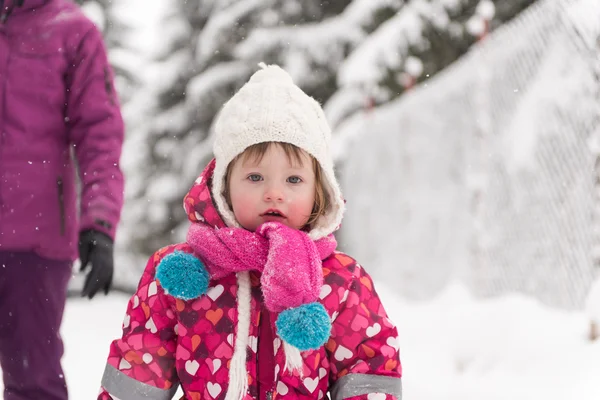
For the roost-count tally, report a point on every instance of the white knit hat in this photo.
(271, 108)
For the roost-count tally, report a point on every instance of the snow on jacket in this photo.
(168, 342)
(57, 96)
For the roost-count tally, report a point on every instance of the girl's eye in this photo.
(255, 177)
(294, 179)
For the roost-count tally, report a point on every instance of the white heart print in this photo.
(373, 330)
(215, 291)
(126, 321)
(281, 388)
(123, 364)
(343, 353)
(253, 343)
(214, 389)
(311, 384)
(276, 345)
(191, 366)
(334, 316)
(216, 365)
(325, 290)
(151, 326)
(322, 373)
(152, 289)
(345, 297)
(393, 342)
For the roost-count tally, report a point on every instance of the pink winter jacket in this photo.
(168, 342)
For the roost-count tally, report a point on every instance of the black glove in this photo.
(96, 248)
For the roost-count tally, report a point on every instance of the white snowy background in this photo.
(487, 172)
(454, 346)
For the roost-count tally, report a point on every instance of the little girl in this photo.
(257, 303)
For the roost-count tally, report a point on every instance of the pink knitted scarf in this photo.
(290, 262)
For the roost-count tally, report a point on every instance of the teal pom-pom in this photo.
(306, 327)
(182, 275)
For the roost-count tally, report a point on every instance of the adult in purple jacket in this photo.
(57, 105)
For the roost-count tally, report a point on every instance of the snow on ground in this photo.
(452, 347)
(511, 347)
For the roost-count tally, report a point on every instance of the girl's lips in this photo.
(272, 218)
(273, 215)
(273, 212)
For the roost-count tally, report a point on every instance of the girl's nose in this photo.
(273, 193)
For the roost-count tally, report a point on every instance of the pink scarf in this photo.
(290, 262)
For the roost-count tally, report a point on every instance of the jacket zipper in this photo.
(269, 394)
(61, 204)
(258, 344)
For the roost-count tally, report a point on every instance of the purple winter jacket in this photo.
(57, 98)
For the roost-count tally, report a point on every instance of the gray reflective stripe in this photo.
(126, 388)
(358, 384)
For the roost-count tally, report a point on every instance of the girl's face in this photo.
(272, 189)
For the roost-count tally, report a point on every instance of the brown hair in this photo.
(294, 154)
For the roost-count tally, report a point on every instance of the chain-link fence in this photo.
(488, 172)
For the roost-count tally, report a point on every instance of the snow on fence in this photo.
(489, 172)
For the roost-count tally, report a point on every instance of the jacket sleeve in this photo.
(141, 364)
(96, 131)
(363, 348)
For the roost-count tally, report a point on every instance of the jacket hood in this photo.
(198, 202)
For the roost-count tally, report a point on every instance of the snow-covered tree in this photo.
(419, 40)
(311, 45)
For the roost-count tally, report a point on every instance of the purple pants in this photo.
(33, 293)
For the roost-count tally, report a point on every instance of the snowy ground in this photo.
(452, 347)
